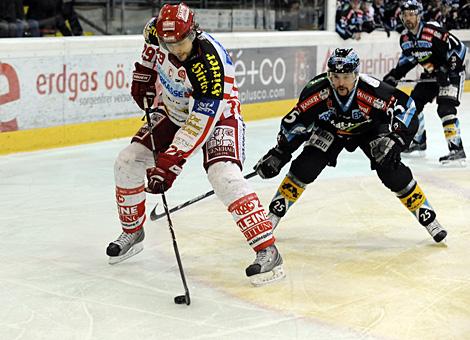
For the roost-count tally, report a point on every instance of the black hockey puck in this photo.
(182, 299)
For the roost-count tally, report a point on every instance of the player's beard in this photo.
(342, 91)
(411, 25)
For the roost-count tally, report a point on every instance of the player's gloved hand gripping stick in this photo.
(180, 299)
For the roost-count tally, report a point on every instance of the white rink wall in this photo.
(56, 82)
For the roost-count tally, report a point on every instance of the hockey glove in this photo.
(387, 151)
(442, 77)
(391, 80)
(271, 164)
(143, 85)
(163, 174)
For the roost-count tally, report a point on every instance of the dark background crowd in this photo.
(34, 18)
(354, 17)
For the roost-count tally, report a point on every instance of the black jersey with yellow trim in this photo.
(205, 69)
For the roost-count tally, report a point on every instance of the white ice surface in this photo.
(58, 215)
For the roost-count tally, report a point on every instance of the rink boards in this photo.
(66, 91)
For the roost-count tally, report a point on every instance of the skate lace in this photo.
(124, 239)
(262, 256)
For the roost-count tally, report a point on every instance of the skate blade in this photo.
(263, 279)
(461, 163)
(134, 250)
(414, 154)
(440, 236)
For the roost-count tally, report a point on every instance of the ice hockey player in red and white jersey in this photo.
(198, 108)
(342, 109)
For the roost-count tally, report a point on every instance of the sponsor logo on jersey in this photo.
(371, 100)
(346, 128)
(221, 143)
(426, 37)
(314, 99)
(421, 55)
(356, 114)
(192, 125)
(364, 108)
(406, 45)
(424, 44)
(428, 30)
(206, 107)
(214, 82)
(325, 115)
(168, 85)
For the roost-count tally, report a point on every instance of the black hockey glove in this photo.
(387, 150)
(391, 80)
(271, 164)
(442, 78)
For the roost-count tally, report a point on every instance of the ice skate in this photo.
(436, 231)
(455, 157)
(127, 245)
(266, 268)
(416, 149)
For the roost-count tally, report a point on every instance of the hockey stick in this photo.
(154, 216)
(417, 81)
(180, 299)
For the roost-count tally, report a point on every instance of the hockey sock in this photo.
(250, 217)
(131, 208)
(415, 201)
(420, 136)
(287, 194)
(452, 132)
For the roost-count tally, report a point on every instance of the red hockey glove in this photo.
(161, 177)
(143, 85)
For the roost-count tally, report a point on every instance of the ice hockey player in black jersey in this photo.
(441, 55)
(342, 109)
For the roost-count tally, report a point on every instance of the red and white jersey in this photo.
(196, 93)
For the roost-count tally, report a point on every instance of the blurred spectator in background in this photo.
(464, 14)
(433, 11)
(368, 22)
(52, 16)
(349, 18)
(12, 23)
(71, 16)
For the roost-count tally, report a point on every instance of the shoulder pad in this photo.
(317, 83)
(150, 32)
(433, 24)
(369, 80)
(312, 98)
(206, 73)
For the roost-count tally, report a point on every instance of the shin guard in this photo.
(250, 217)
(415, 201)
(287, 194)
(451, 126)
(131, 208)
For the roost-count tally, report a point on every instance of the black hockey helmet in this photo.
(344, 60)
(412, 5)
